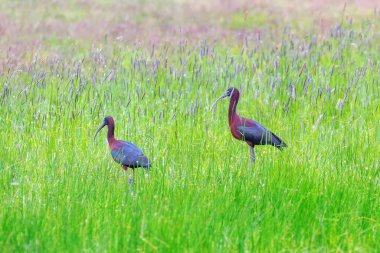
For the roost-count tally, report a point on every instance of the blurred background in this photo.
(61, 26)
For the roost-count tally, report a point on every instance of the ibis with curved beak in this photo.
(125, 153)
(246, 129)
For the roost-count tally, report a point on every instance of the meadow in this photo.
(62, 192)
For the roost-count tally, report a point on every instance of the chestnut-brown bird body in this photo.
(248, 130)
(125, 153)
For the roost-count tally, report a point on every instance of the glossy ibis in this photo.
(125, 153)
(246, 129)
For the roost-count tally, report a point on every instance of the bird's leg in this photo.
(130, 180)
(252, 153)
(133, 175)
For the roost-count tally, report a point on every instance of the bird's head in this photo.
(228, 93)
(106, 122)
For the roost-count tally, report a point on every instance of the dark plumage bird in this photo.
(125, 153)
(246, 129)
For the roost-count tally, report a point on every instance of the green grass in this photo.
(62, 192)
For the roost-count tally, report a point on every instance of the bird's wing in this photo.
(130, 155)
(259, 135)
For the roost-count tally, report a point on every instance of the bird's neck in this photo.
(232, 108)
(110, 134)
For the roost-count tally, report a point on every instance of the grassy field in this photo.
(62, 192)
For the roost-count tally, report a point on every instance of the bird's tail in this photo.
(277, 142)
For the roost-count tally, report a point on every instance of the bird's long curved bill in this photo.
(97, 131)
(214, 104)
